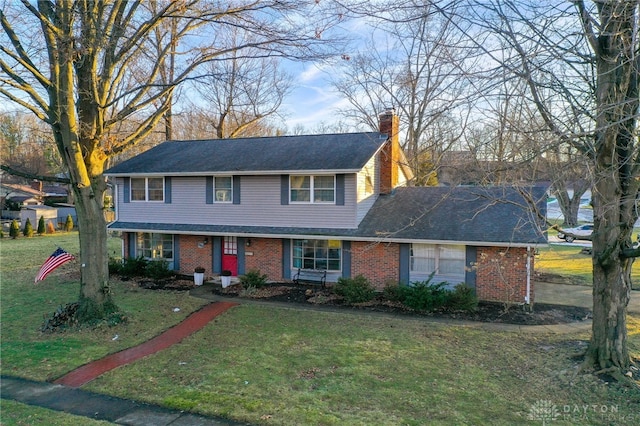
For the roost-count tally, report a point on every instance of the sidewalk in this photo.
(100, 407)
(63, 395)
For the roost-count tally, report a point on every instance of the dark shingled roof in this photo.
(339, 152)
(496, 215)
(467, 214)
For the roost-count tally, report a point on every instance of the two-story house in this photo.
(335, 202)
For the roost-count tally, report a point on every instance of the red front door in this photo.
(230, 255)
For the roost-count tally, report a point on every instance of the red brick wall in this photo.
(501, 274)
(378, 262)
(192, 256)
(266, 257)
(390, 153)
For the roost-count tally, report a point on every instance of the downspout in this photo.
(527, 297)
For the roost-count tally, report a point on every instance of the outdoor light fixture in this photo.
(248, 243)
(203, 243)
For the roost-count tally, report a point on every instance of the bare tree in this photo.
(584, 85)
(419, 63)
(580, 64)
(240, 92)
(26, 146)
(85, 67)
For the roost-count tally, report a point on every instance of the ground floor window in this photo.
(154, 246)
(448, 260)
(317, 254)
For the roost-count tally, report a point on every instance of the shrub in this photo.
(68, 224)
(115, 265)
(355, 290)
(462, 298)
(254, 279)
(394, 292)
(158, 269)
(14, 229)
(134, 266)
(424, 296)
(50, 228)
(28, 229)
(41, 226)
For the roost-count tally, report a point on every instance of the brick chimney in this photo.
(390, 153)
(37, 185)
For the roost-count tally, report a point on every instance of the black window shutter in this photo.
(127, 190)
(209, 189)
(340, 190)
(167, 190)
(284, 190)
(236, 189)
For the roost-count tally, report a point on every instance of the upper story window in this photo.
(312, 189)
(223, 189)
(147, 189)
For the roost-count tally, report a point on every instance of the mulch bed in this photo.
(542, 314)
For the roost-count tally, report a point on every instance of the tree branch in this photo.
(27, 175)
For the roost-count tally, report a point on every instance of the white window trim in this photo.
(230, 193)
(312, 190)
(146, 190)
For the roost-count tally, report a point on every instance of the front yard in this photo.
(280, 366)
(568, 265)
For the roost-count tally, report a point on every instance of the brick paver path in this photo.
(175, 334)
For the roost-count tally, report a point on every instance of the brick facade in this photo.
(192, 255)
(265, 254)
(501, 274)
(379, 262)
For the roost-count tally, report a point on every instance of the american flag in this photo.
(56, 259)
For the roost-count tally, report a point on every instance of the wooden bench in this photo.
(310, 276)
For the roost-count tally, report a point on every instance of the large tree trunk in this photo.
(569, 206)
(95, 299)
(611, 283)
(616, 187)
(87, 181)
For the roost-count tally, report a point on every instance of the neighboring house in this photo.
(20, 195)
(337, 202)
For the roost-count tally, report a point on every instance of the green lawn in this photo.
(278, 366)
(15, 413)
(568, 263)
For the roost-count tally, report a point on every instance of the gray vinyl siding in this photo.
(260, 205)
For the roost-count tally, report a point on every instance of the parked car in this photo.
(582, 232)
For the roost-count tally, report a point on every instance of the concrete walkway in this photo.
(64, 395)
(100, 407)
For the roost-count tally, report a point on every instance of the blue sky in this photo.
(311, 100)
